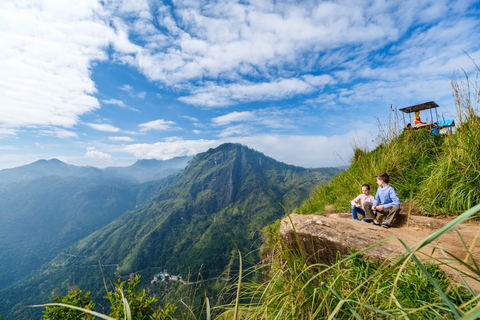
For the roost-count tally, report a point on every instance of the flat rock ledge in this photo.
(326, 235)
(322, 237)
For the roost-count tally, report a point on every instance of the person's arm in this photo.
(354, 201)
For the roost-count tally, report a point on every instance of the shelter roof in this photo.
(420, 107)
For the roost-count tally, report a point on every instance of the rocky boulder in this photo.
(322, 237)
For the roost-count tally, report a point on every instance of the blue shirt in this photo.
(387, 197)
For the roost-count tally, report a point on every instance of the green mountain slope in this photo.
(48, 205)
(41, 217)
(230, 192)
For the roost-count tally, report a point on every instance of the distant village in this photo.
(165, 277)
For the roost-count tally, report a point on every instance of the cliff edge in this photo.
(322, 236)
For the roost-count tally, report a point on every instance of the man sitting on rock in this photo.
(386, 202)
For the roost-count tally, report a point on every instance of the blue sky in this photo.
(104, 83)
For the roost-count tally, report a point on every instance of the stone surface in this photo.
(323, 236)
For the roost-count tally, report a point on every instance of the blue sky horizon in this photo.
(104, 83)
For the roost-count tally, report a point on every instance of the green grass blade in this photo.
(188, 308)
(442, 294)
(208, 309)
(237, 299)
(94, 313)
(472, 314)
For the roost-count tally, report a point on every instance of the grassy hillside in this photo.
(440, 173)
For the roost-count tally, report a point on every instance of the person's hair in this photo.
(383, 176)
(409, 125)
(366, 185)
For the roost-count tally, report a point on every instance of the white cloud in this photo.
(169, 149)
(92, 153)
(234, 117)
(250, 122)
(213, 95)
(191, 118)
(103, 127)
(47, 49)
(126, 139)
(226, 53)
(7, 132)
(323, 151)
(119, 103)
(115, 102)
(59, 133)
(160, 125)
(129, 89)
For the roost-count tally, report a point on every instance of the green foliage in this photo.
(356, 288)
(440, 172)
(75, 297)
(454, 182)
(405, 158)
(130, 303)
(140, 304)
(230, 192)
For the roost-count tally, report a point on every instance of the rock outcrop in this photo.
(322, 237)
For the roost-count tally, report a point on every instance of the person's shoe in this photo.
(364, 220)
(375, 222)
(385, 225)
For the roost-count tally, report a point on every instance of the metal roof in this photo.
(419, 107)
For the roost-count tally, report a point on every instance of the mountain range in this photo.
(190, 223)
(48, 205)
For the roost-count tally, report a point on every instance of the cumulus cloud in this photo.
(214, 95)
(126, 139)
(92, 153)
(169, 149)
(160, 125)
(103, 127)
(58, 132)
(226, 53)
(323, 151)
(250, 122)
(115, 102)
(47, 49)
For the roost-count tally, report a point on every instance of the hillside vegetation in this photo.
(440, 173)
(239, 187)
(220, 201)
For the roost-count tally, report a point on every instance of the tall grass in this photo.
(454, 182)
(410, 286)
(441, 173)
(405, 157)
